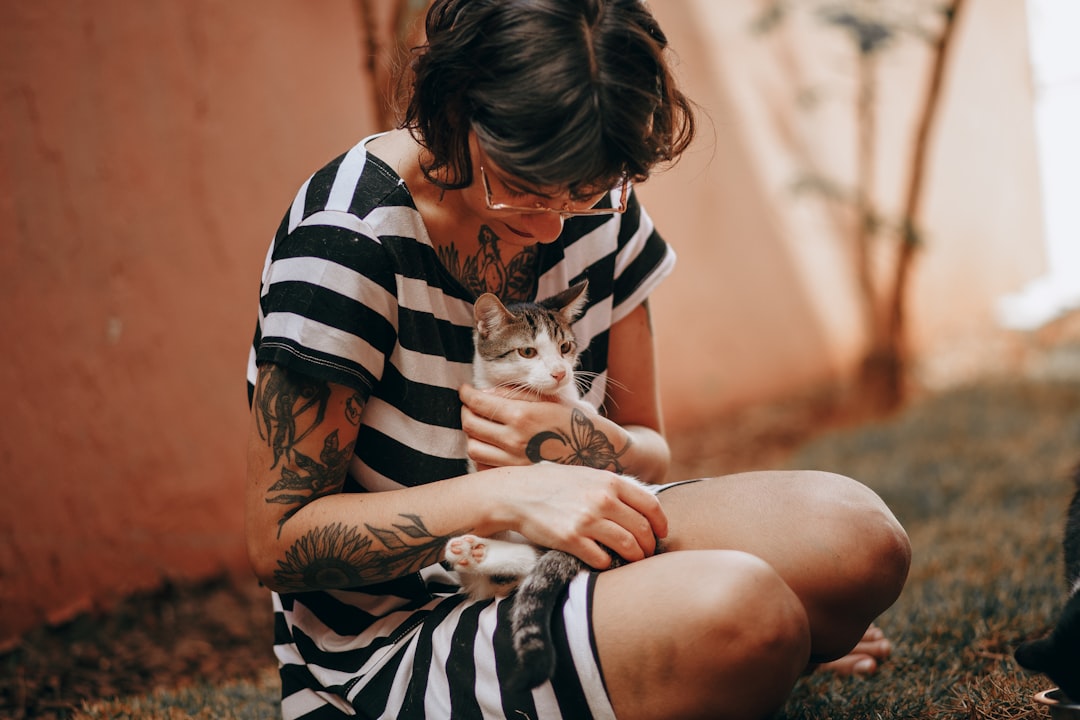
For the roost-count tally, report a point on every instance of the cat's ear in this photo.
(489, 313)
(570, 302)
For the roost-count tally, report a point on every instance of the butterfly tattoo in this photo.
(584, 445)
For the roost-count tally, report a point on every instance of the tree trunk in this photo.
(911, 240)
(882, 375)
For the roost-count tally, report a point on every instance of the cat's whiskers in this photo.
(517, 391)
(580, 381)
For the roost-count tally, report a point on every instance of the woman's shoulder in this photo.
(356, 182)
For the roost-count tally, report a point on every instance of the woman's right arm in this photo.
(303, 533)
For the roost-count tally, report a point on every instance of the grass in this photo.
(230, 701)
(980, 477)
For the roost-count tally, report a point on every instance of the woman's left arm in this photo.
(626, 439)
(634, 396)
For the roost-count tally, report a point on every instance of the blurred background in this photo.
(882, 201)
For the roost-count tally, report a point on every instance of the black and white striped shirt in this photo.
(353, 293)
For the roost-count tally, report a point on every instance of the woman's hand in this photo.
(628, 438)
(578, 510)
(503, 430)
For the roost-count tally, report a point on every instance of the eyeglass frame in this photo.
(564, 212)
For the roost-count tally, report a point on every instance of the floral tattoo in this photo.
(290, 407)
(487, 272)
(337, 556)
(585, 445)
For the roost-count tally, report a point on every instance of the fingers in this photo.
(484, 433)
(629, 521)
(483, 453)
(499, 428)
(478, 425)
(490, 443)
(592, 554)
(646, 504)
(628, 537)
(482, 404)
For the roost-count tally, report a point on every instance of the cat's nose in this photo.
(558, 375)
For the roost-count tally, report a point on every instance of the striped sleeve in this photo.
(328, 302)
(642, 262)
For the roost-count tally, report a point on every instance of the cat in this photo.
(531, 348)
(1058, 655)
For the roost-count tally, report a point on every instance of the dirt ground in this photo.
(221, 630)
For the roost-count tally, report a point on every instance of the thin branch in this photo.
(912, 205)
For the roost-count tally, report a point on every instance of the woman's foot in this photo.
(863, 659)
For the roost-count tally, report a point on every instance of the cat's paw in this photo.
(466, 552)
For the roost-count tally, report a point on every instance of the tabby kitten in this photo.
(1058, 655)
(529, 347)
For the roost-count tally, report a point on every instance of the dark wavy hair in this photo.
(560, 93)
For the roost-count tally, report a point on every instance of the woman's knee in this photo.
(734, 636)
(754, 634)
(876, 547)
(744, 604)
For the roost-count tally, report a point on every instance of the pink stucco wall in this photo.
(147, 151)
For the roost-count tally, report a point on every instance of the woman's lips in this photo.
(519, 233)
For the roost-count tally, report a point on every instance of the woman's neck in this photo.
(468, 247)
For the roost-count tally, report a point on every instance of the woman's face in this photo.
(506, 203)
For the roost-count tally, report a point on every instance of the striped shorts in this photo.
(451, 663)
(454, 664)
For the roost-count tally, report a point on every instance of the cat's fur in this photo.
(529, 347)
(1058, 655)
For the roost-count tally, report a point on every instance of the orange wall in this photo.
(148, 150)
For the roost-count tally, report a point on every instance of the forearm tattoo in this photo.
(289, 408)
(585, 445)
(337, 556)
(486, 271)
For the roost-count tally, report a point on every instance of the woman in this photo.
(527, 124)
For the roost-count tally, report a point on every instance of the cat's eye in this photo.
(566, 348)
(527, 352)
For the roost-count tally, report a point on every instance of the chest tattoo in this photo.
(486, 271)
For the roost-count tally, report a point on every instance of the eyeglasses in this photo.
(565, 211)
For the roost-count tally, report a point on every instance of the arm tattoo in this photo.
(314, 480)
(289, 408)
(585, 445)
(336, 556)
(487, 272)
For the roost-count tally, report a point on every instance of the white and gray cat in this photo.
(529, 347)
(1058, 655)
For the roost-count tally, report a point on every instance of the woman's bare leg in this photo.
(698, 634)
(806, 561)
(832, 540)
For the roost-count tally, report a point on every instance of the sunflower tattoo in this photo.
(336, 556)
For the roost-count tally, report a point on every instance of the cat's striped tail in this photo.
(530, 618)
